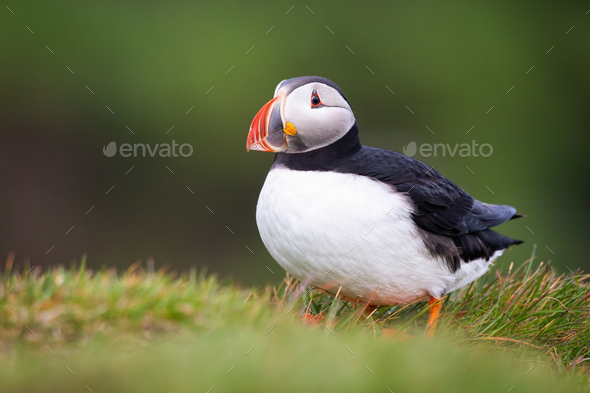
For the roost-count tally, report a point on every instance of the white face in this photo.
(319, 113)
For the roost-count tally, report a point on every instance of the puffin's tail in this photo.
(488, 215)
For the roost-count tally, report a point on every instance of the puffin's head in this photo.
(306, 113)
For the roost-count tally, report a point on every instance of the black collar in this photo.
(325, 158)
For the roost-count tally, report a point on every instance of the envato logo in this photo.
(140, 150)
(438, 149)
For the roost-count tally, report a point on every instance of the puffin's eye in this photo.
(315, 100)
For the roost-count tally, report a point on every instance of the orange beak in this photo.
(266, 131)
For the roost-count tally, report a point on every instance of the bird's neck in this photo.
(325, 158)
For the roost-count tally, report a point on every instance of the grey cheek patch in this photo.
(296, 145)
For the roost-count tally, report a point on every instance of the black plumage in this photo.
(452, 223)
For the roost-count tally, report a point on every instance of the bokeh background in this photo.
(151, 62)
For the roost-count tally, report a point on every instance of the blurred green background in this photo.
(150, 63)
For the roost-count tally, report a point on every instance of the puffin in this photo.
(371, 224)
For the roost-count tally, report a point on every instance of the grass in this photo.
(149, 331)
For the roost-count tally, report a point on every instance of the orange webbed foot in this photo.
(311, 319)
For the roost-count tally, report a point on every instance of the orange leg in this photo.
(435, 307)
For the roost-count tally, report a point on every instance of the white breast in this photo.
(348, 230)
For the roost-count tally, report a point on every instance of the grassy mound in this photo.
(78, 330)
